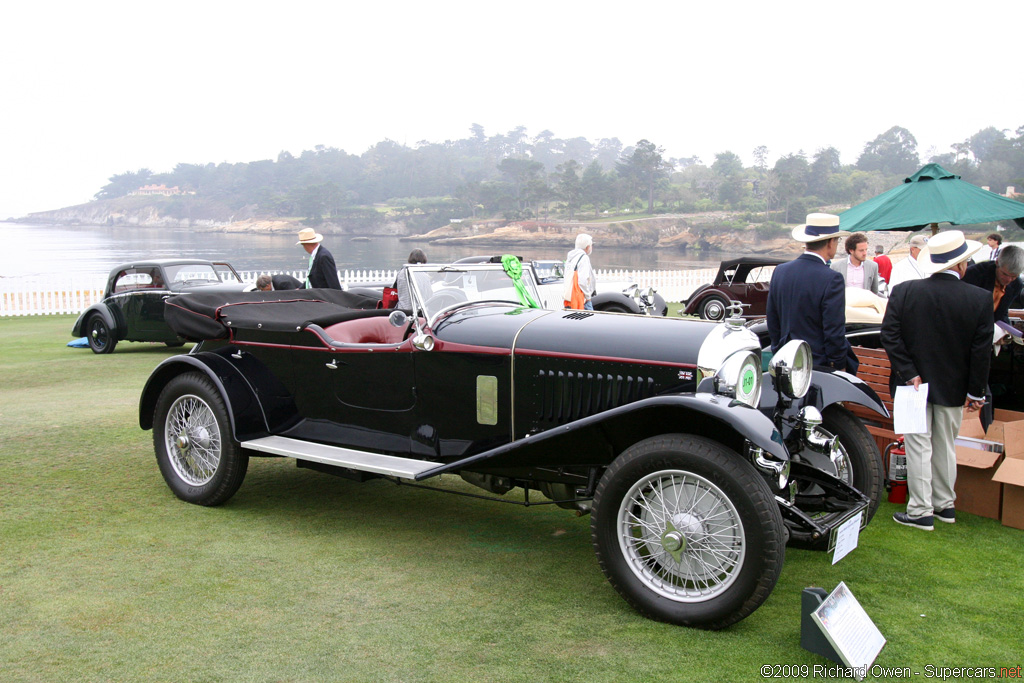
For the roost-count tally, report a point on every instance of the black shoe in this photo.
(922, 523)
(948, 515)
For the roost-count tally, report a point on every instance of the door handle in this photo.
(333, 365)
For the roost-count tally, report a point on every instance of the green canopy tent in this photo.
(931, 196)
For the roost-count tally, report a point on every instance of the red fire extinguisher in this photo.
(896, 472)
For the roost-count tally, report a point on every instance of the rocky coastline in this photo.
(707, 232)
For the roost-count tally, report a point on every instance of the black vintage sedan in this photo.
(132, 308)
(695, 467)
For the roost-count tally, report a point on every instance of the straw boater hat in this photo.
(819, 226)
(309, 236)
(945, 250)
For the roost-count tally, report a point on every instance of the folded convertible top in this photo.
(199, 316)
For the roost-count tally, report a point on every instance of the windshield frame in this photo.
(173, 271)
(463, 278)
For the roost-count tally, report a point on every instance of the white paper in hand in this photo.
(909, 410)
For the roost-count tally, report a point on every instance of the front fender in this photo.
(248, 418)
(78, 330)
(826, 388)
(598, 439)
(617, 298)
(698, 297)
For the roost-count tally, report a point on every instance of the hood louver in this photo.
(568, 396)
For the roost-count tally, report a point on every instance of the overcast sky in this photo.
(90, 89)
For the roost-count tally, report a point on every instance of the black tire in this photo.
(723, 516)
(174, 345)
(195, 448)
(861, 452)
(101, 337)
(714, 308)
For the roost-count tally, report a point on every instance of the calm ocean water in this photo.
(30, 252)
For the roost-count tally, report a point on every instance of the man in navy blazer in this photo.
(323, 273)
(938, 331)
(807, 299)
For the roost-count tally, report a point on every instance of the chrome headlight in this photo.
(791, 369)
(740, 378)
(643, 296)
(423, 342)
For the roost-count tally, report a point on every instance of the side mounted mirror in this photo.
(398, 318)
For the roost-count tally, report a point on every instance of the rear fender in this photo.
(596, 440)
(245, 410)
(104, 312)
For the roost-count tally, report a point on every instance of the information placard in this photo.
(849, 629)
(847, 536)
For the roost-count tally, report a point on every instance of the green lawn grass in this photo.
(105, 575)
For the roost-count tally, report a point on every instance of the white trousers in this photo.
(931, 462)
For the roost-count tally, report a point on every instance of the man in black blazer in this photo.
(807, 299)
(323, 273)
(1001, 277)
(938, 331)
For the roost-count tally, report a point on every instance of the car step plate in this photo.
(364, 461)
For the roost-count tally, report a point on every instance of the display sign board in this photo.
(849, 630)
(846, 536)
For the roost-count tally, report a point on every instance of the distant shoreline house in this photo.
(158, 189)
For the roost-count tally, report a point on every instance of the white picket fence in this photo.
(56, 295)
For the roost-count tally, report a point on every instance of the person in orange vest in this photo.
(580, 282)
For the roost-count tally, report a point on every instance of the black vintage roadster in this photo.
(694, 476)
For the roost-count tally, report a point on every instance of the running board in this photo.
(364, 461)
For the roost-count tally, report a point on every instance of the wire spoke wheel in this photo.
(195, 446)
(193, 440)
(859, 463)
(687, 531)
(681, 535)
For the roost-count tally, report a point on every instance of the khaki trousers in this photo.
(931, 462)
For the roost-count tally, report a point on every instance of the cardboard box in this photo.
(1011, 475)
(970, 425)
(976, 492)
(1008, 429)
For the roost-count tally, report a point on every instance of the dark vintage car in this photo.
(742, 279)
(132, 308)
(695, 478)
